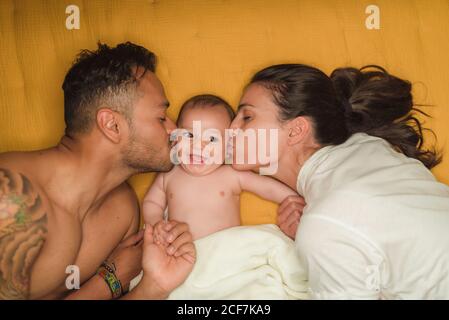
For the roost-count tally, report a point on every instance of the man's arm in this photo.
(23, 230)
(263, 186)
(126, 256)
(127, 259)
(163, 272)
(132, 202)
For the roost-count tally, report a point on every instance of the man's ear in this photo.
(298, 129)
(109, 123)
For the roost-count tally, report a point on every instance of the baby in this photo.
(202, 194)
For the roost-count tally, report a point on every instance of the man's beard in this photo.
(143, 157)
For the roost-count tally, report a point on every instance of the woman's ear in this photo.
(299, 130)
(108, 123)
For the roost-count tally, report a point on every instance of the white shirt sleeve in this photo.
(341, 262)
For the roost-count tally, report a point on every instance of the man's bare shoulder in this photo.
(14, 158)
(122, 203)
(24, 162)
(125, 194)
(23, 230)
(28, 166)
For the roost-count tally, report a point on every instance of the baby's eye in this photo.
(188, 134)
(213, 139)
(246, 118)
(163, 119)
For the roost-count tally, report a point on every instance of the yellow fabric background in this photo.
(215, 46)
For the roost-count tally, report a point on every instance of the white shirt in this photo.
(376, 224)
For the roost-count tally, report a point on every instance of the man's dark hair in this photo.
(205, 100)
(105, 77)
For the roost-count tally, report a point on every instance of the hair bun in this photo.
(345, 81)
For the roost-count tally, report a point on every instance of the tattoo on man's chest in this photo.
(23, 230)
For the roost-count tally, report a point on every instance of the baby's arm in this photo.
(155, 201)
(264, 186)
(154, 204)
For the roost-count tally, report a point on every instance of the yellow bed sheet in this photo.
(215, 46)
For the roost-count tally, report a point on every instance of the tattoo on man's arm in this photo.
(23, 230)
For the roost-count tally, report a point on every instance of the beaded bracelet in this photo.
(108, 274)
(109, 266)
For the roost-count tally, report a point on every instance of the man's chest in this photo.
(101, 233)
(76, 249)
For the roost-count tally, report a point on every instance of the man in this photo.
(71, 205)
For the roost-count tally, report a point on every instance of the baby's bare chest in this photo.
(201, 195)
(213, 187)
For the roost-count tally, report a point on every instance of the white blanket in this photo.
(246, 262)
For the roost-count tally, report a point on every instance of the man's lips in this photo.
(172, 143)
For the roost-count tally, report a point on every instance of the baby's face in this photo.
(206, 151)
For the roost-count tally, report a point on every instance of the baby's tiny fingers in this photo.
(169, 225)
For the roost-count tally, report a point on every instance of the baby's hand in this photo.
(172, 235)
(160, 234)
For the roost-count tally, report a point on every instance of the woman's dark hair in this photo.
(351, 100)
(104, 76)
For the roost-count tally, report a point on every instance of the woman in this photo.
(376, 223)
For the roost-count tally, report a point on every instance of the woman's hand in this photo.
(289, 213)
(127, 258)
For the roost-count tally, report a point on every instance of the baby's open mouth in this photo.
(197, 159)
